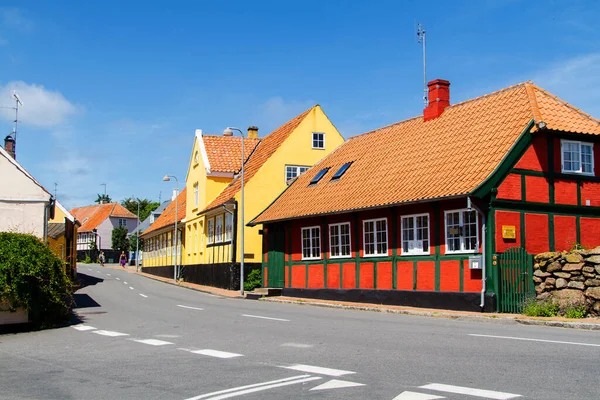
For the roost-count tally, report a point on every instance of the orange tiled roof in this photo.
(415, 160)
(267, 146)
(92, 216)
(168, 215)
(225, 153)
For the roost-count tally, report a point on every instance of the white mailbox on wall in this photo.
(475, 262)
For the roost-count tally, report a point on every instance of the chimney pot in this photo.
(439, 99)
(9, 146)
(253, 132)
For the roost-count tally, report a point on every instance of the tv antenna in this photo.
(13, 135)
(421, 38)
(55, 189)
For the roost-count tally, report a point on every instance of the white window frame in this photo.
(219, 229)
(228, 227)
(340, 246)
(579, 144)
(415, 229)
(375, 241)
(461, 223)
(123, 222)
(296, 168)
(311, 237)
(318, 140)
(196, 195)
(210, 226)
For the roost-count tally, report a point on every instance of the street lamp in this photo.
(167, 178)
(229, 132)
(137, 236)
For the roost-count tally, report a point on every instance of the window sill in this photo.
(375, 255)
(339, 257)
(318, 148)
(461, 252)
(415, 254)
(578, 173)
(311, 259)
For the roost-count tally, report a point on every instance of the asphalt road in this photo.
(144, 339)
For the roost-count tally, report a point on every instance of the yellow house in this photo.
(212, 220)
(62, 237)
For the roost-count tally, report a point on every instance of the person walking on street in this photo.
(101, 258)
(123, 259)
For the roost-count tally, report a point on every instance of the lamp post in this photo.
(229, 132)
(137, 236)
(167, 178)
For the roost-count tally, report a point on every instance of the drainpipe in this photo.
(470, 205)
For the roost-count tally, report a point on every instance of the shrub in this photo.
(33, 278)
(87, 259)
(254, 280)
(576, 312)
(534, 308)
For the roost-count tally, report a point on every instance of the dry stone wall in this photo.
(570, 279)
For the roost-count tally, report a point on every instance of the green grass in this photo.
(534, 308)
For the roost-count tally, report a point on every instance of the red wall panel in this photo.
(265, 275)
(367, 275)
(536, 189)
(349, 276)
(316, 276)
(471, 278)
(590, 232)
(536, 156)
(536, 233)
(507, 218)
(384, 275)
(565, 232)
(565, 192)
(449, 276)
(298, 276)
(404, 275)
(426, 275)
(333, 276)
(590, 191)
(510, 188)
(287, 276)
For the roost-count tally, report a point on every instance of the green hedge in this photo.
(33, 278)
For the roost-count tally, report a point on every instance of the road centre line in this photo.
(110, 333)
(130, 287)
(143, 295)
(82, 327)
(191, 308)
(152, 342)
(215, 353)
(535, 340)
(118, 279)
(271, 318)
(261, 386)
(125, 283)
(108, 275)
(318, 370)
(487, 394)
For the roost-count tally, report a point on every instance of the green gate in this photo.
(276, 260)
(516, 279)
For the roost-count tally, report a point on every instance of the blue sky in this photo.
(113, 91)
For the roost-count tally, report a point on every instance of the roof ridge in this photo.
(535, 108)
(564, 103)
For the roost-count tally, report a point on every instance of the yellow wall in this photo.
(59, 245)
(158, 248)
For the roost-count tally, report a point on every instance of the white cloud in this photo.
(41, 107)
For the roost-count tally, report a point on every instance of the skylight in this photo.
(341, 171)
(318, 177)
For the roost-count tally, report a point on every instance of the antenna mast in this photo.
(422, 39)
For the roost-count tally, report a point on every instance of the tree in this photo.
(146, 206)
(120, 241)
(132, 242)
(103, 198)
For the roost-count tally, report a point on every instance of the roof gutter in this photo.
(224, 204)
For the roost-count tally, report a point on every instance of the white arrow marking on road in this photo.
(318, 370)
(216, 353)
(191, 308)
(337, 384)
(295, 379)
(152, 342)
(535, 340)
(416, 396)
(143, 295)
(110, 333)
(271, 318)
(488, 394)
(83, 327)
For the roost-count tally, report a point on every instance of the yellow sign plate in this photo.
(509, 232)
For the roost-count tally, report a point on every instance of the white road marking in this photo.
(143, 295)
(130, 287)
(257, 387)
(125, 283)
(258, 316)
(487, 394)
(337, 384)
(297, 345)
(191, 308)
(152, 342)
(168, 336)
(84, 328)
(110, 333)
(118, 279)
(108, 275)
(535, 340)
(416, 396)
(89, 269)
(215, 353)
(318, 370)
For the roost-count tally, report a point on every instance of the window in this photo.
(219, 229)
(168, 244)
(462, 235)
(122, 222)
(341, 171)
(195, 238)
(292, 171)
(318, 140)
(339, 240)
(311, 243)
(375, 237)
(577, 157)
(415, 234)
(210, 231)
(228, 227)
(318, 177)
(196, 194)
(196, 156)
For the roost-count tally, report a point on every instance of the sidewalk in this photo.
(585, 323)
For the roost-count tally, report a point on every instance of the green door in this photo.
(276, 258)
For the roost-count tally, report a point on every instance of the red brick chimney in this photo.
(439, 99)
(9, 145)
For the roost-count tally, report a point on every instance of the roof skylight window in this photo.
(341, 171)
(319, 176)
